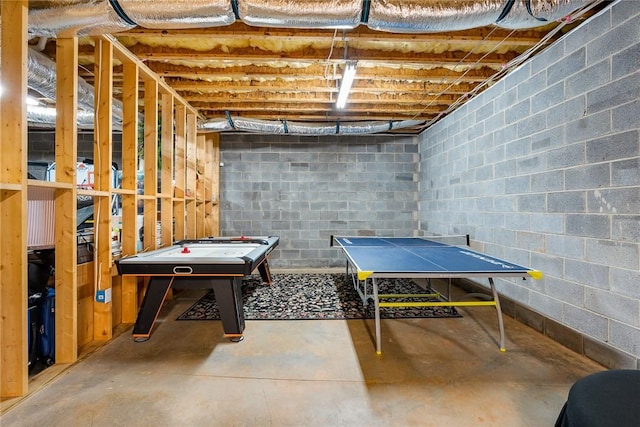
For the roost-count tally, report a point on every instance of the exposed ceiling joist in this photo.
(279, 73)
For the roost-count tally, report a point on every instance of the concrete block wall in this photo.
(543, 168)
(305, 189)
(41, 145)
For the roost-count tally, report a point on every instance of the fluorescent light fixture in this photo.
(345, 85)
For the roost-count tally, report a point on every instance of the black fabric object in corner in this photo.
(38, 275)
(604, 399)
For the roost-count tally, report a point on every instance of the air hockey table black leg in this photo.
(154, 297)
(265, 274)
(228, 294)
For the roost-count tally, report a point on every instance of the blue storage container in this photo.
(32, 328)
(47, 331)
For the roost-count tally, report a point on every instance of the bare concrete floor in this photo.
(433, 372)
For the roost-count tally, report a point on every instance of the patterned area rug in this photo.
(314, 296)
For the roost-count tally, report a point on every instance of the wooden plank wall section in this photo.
(79, 319)
(13, 200)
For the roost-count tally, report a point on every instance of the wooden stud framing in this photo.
(179, 208)
(13, 200)
(66, 146)
(102, 152)
(129, 234)
(166, 171)
(190, 199)
(200, 185)
(178, 201)
(150, 164)
(208, 164)
(213, 187)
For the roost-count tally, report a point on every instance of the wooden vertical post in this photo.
(180, 172)
(13, 200)
(208, 184)
(191, 176)
(66, 153)
(200, 185)
(102, 153)
(129, 183)
(166, 145)
(214, 212)
(150, 163)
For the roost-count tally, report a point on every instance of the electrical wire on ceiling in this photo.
(328, 77)
(458, 80)
(520, 59)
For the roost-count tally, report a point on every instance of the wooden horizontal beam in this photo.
(317, 86)
(222, 98)
(312, 53)
(240, 30)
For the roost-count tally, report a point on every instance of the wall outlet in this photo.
(103, 295)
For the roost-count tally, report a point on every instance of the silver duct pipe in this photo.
(405, 16)
(343, 14)
(41, 77)
(285, 127)
(312, 129)
(539, 13)
(170, 14)
(416, 16)
(54, 18)
(51, 18)
(46, 117)
(401, 16)
(376, 127)
(215, 125)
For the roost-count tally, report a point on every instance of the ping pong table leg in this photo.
(499, 312)
(360, 286)
(377, 314)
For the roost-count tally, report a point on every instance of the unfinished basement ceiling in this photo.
(274, 66)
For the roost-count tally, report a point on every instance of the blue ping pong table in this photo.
(369, 258)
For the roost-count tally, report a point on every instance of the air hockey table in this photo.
(218, 263)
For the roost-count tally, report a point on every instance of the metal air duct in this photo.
(41, 77)
(343, 14)
(46, 117)
(426, 16)
(170, 14)
(72, 18)
(284, 127)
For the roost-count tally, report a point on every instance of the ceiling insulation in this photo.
(275, 66)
